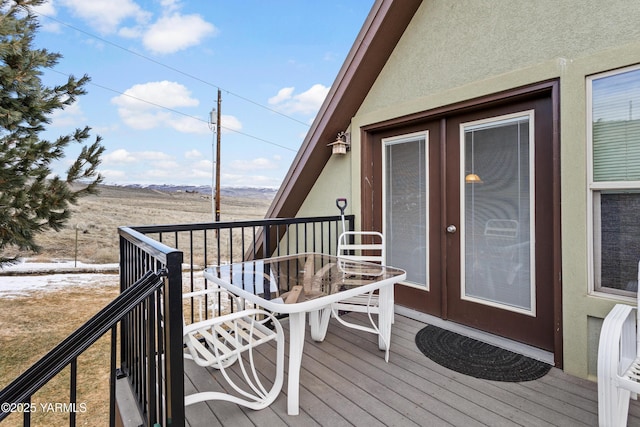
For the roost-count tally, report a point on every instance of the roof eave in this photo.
(379, 35)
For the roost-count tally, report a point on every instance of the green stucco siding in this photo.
(458, 50)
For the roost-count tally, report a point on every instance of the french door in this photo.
(467, 209)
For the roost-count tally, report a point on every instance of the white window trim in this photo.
(592, 188)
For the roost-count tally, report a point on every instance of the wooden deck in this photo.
(345, 381)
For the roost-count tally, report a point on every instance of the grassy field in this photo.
(34, 323)
(96, 219)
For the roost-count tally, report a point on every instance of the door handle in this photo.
(451, 229)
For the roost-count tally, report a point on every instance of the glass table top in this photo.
(299, 278)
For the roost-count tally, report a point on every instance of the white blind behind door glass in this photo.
(406, 207)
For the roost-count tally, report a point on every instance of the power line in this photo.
(183, 114)
(173, 69)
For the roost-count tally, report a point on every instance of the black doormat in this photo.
(477, 359)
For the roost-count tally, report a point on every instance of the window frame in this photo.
(594, 190)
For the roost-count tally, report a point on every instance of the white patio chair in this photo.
(367, 246)
(618, 364)
(222, 340)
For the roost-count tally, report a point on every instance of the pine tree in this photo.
(31, 199)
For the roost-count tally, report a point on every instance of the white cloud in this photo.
(230, 123)
(259, 163)
(176, 32)
(244, 180)
(48, 9)
(201, 169)
(312, 99)
(195, 173)
(148, 165)
(146, 106)
(193, 154)
(156, 167)
(141, 107)
(283, 95)
(107, 15)
(204, 164)
(186, 124)
(170, 32)
(120, 156)
(104, 129)
(112, 175)
(167, 165)
(307, 102)
(252, 172)
(165, 93)
(135, 32)
(154, 156)
(170, 5)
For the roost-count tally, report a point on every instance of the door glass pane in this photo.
(497, 202)
(406, 206)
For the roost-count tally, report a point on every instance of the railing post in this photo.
(266, 245)
(113, 376)
(173, 345)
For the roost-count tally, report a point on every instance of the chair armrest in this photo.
(188, 329)
(617, 346)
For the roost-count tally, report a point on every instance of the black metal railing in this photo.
(184, 251)
(17, 396)
(227, 242)
(151, 358)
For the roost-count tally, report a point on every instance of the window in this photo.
(614, 179)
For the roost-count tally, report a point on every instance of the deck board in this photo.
(345, 381)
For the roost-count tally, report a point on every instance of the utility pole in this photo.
(214, 125)
(218, 159)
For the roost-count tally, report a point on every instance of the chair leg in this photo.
(613, 404)
(605, 399)
(620, 405)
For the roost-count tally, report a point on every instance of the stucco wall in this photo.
(452, 43)
(458, 50)
(332, 184)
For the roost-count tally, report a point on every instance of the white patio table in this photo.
(308, 283)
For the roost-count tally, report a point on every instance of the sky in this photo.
(155, 69)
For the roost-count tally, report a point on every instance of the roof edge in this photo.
(377, 38)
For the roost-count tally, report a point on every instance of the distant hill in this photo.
(246, 192)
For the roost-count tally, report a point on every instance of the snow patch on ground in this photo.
(34, 267)
(26, 277)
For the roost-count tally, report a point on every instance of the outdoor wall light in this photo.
(340, 145)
